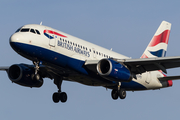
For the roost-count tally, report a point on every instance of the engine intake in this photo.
(113, 71)
(22, 75)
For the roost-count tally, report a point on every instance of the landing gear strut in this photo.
(59, 96)
(36, 76)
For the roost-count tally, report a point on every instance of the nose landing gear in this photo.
(36, 75)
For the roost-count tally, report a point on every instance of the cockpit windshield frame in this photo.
(35, 31)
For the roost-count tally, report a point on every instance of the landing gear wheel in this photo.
(59, 97)
(122, 93)
(56, 97)
(114, 94)
(63, 97)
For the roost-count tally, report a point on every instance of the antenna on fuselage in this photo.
(41, 23)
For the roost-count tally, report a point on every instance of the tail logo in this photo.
(158, 44)
(159, 53)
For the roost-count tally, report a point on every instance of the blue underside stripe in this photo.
(62, 60)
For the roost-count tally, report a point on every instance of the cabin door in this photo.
(52, 40)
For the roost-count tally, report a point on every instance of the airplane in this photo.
(60, 56)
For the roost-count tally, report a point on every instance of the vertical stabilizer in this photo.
(158, 44)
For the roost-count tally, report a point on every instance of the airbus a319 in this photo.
(60, 56)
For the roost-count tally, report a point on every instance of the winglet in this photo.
(158, 44)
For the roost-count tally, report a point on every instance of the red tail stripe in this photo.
(161, 38)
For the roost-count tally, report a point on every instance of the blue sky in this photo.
(125, 26)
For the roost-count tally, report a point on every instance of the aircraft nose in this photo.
(16, 38)
(15, 41)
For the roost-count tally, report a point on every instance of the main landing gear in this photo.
(59, 96)
(118, 93)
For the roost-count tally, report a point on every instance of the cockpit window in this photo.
(18, 30)
(32, 30)
(25, 30)
(37, 32)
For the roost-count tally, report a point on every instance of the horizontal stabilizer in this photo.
(169, 78)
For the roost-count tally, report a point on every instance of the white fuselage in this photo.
(65, 46)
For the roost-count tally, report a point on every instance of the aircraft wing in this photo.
(142, 65)
(150, 64)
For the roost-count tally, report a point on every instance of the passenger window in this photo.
(37, 32)
(25, 30)
(32, 30)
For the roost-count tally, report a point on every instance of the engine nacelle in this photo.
(22, 75)
(113, 71)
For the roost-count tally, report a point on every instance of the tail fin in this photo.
(158, 44)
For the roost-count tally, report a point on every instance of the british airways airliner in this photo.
(60, 56)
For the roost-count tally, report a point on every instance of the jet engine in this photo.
(113, 70)
(23, 75)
